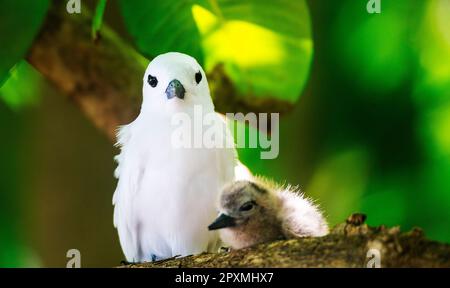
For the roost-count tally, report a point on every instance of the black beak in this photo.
(175, 89)
(222, 221)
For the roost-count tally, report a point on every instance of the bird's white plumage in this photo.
(165, 196)
(299, 215)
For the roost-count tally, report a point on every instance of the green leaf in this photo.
(98, 18)
(19, 22)
(264, 47)
(22, 88)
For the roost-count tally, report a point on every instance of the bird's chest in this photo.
(179, 165)
(173, 177)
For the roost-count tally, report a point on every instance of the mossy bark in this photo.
(348, 245)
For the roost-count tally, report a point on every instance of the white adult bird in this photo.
(165, 196)
(259, 211)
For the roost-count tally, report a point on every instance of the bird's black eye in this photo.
(247, 206)
(198, 77)
(152, 81)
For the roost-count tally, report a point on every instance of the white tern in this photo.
(165, 196)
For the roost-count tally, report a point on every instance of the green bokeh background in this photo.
(370, 133)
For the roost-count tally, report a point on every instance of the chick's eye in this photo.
(152, 81)
(247, 206)
(198, 77)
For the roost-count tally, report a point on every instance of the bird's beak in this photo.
(175, 89)
(222, 221)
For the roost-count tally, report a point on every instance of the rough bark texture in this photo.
(346, 246)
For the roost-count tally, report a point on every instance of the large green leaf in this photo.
(264, 47)
(19, 22)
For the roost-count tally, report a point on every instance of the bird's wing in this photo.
(127, 185)
(227, 157)
(123, 137)
(233, 168)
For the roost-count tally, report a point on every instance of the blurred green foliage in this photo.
(273, 39)
(371, 132)
(20, 21)
(16, 91)
(9, 189)
(379, 46)
(19, 93)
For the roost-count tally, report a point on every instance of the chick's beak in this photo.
(222, 221)
(175, 89)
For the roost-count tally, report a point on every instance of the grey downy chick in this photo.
(262, 211)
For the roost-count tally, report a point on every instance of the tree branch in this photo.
(346, 246)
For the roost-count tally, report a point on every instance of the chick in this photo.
(253, 212)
